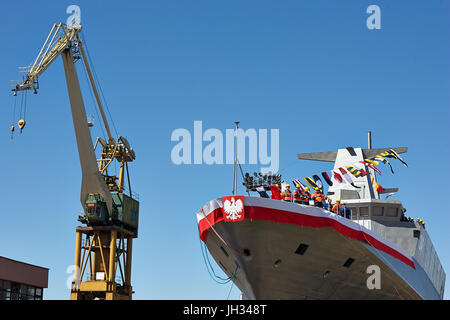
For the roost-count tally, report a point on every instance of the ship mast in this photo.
(371, 171)
(235, 160)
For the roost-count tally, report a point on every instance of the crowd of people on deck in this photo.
(303, 196)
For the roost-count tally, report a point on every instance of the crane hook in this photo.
(21, 124)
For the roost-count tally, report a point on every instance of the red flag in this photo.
(337, 176)
(379, 187)
(374, 168)
(275, 193)
(298, 183)
(371, 166)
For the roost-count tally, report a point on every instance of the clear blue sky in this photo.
(311, 69)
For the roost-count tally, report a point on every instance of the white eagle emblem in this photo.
(233, 208)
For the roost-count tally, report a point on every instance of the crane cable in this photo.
(14, 116)
(22, 114)
(21, 103)
(94, 103)
(25, 105)
(97, 80)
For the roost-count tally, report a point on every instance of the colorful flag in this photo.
(318, 182)
(390, 195)
(361, 169)
(262, 192)
(337, 176)
(378, 187)
(353, 171)
(347, 177)
(395, 154)
(371, 166)
(374, 168)
(311, 182)
(390, 154)
(386, 154)
(371, 161)
(327, 178)
(297, 182)
(382, 159)
(363, 172)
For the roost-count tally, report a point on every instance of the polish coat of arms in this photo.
(233, 208)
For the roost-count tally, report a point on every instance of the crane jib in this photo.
(65, 41)
(111, 216)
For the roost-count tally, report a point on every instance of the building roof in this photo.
(21, 272)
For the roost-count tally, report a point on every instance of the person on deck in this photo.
(287, 194)
(318, 198)
(306, 196)
(298, 195)
(337, 207)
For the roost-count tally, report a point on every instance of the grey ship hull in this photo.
(333, 265)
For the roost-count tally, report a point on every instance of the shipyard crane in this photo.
(110, 211)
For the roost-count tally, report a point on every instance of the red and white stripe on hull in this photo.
(303, 215)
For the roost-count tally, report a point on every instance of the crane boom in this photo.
(111, 215)
(97, 184)
(61, 41)
(60, 38)
(92, 181)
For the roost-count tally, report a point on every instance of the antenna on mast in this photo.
(371, 171)
(235, 159)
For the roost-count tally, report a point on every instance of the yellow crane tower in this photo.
(111, 214)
